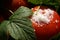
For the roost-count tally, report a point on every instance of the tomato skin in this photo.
(17, 3)
(47, 30)
(13, 4)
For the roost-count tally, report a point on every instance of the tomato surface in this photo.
(17, 3)
(47, 30)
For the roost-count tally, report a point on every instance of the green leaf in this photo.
(35, 1)
(19, 29)
(3, 30)
(55, 4)
(22, 12)
(19, 26)
(44, 2)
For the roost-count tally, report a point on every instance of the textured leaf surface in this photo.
(3, 30)
(53, 3)
(19, 26)
(22, 12)
(21, 29)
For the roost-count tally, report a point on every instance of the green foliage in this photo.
(3, 31)
(22, 12)
(54, 3)
(19, 25)
(50, 2)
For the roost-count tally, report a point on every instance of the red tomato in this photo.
(47, 30)
(16, 3)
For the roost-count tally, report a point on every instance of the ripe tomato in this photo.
(43, 30)
(16, 3)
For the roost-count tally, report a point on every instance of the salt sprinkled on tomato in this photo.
(46, 23)
(44, 16)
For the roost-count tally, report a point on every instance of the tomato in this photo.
(16, 3)
(46, 31)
